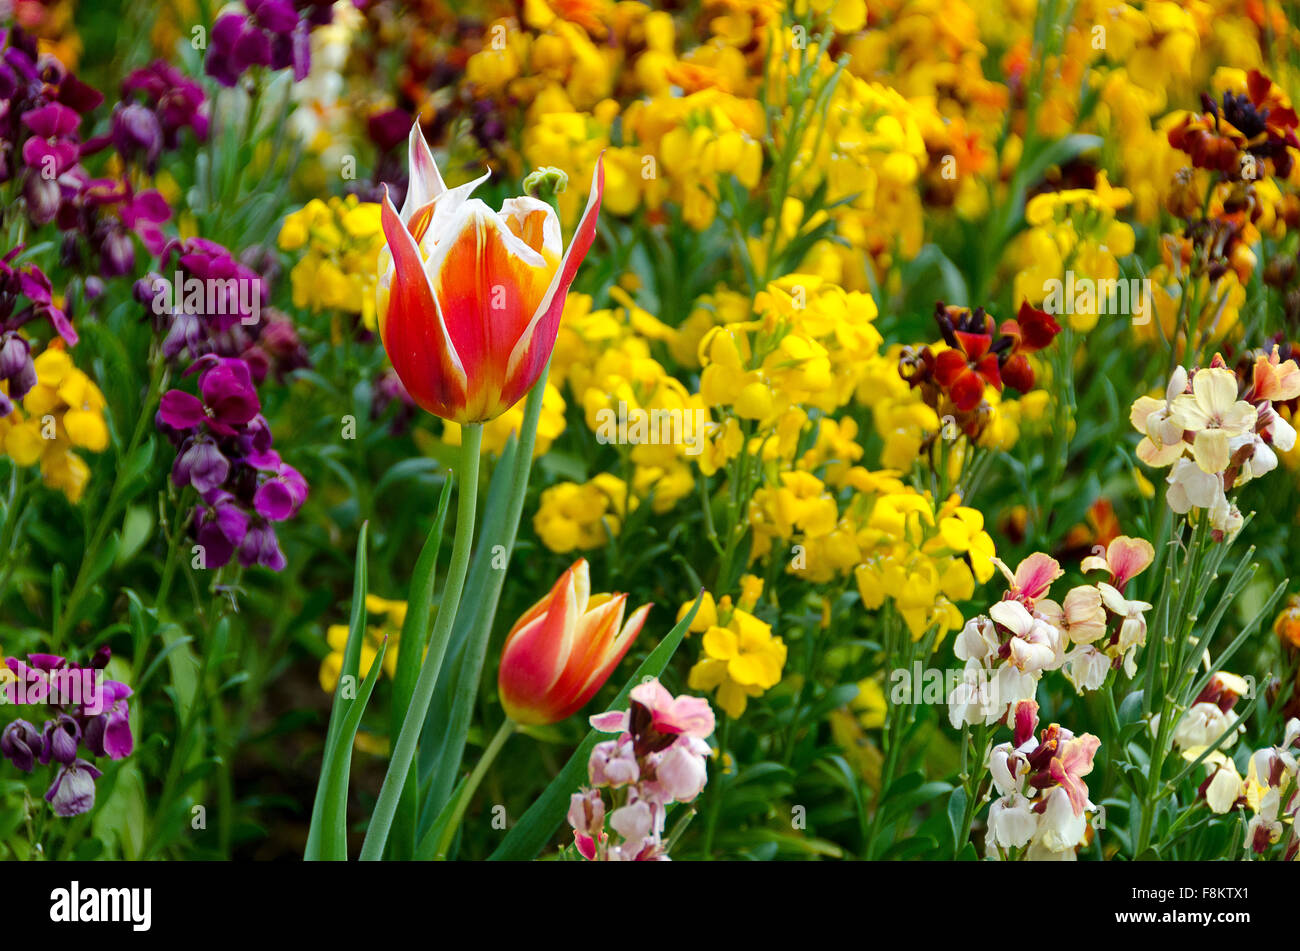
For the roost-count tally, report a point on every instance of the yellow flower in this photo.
(341, 239)
(705, 618)
(578, 516)
(870, 704)
(741, 660)
(389, 617)
(62, 412)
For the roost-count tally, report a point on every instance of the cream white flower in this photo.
(1214, 415)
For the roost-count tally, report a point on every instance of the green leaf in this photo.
(410, 652)
(536, 826)
(123, 814)
(136, 529)
(334, 829)
(339, 713)
(957, 816)
(911, 848)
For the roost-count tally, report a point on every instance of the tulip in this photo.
(563, 649)
(470, 304)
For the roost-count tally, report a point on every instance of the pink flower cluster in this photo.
(1043, 800)
(657, 759)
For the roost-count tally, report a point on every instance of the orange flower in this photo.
(563, 649)
(1287, 624)
(470, 302)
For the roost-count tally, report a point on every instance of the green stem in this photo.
(715, 804)
(469, 671)
(506, 730)
(395, 779)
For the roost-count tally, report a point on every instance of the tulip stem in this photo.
(506, 731)
(372, 849)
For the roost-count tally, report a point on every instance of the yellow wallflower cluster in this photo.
(1074, 230)
(388, 617)
(889, 536)
(871, 151)
(807, 348)
(604, 358)
(740, 658)
(925, 561)
(63, 412)
(581, 516)
(695, 123)
(341, 239)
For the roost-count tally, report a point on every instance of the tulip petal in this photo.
(614, 653)
(425, 180)
(412, 326)
(487, 282)
(593, 636)
(535, 656)
(442, 212)
(581, 583)
(535, 344)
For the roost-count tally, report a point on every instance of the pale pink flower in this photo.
(1036, 644)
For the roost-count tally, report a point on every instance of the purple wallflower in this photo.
(261, 547)
(41, 106)
(61, 736)
(96, 724)
(222, 525)
(73, 789)
(28, 281)
(201, 464)
(228, 401)
(109, 733)
(176, 100)
(280, 497)
(22, 744)
(137, 134)
(270, 34)
(16, 369)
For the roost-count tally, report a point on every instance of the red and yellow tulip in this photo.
(470, 303)
(564, 648)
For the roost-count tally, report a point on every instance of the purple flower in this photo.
(73, 789)
(143, 212)
(280, 497)
(61, 736)
(43, 198)
(22, 744)
(222, 526)
(270, 35)
(116, 252)
(16, 369)
(261, 547)
(228, 399)
(109, 733)
(137, 133)
(200, 464)
(30, 282)
(175, 99)
(278, 16)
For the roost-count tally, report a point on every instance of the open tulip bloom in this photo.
(470, 302)
(564, 648)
